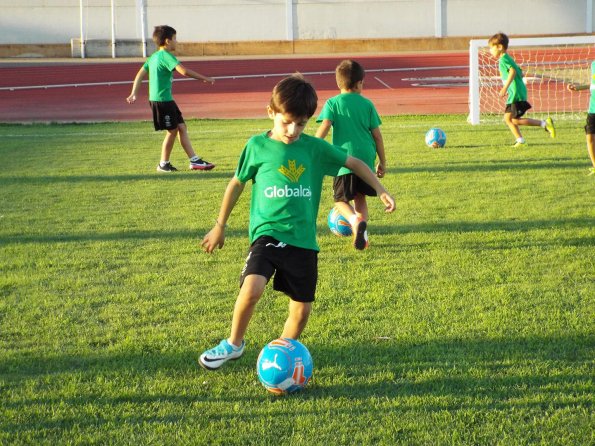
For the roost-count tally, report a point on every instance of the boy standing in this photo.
(590, 127)
(286, 169)
(516, 105)
(356, 128)
(166, 114)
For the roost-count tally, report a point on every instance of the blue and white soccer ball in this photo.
(338, 224)
(435, 138)
(284, 366)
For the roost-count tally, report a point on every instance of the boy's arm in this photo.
(511, 76)
(215, 238)
(379, 141)
(138, 80)
(187, 72)
(365, 173)
(324, 128)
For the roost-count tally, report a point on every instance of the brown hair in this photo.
(161, 33)
(499, 39)
(294, 95)
(348, 73)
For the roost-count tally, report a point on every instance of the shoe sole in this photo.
(202, 168)
(360, 240)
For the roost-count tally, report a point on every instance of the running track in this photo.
(87, 90)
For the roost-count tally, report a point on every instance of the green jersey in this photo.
(286, 186)
(592, 89)
(517, 91)
(353, 117)
(161, 66)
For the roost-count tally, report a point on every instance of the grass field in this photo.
(470, 320)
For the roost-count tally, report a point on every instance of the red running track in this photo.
(60, 92)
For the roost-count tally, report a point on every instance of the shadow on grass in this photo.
(549, 372)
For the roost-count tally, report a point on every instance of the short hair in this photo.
(499, 39)
(348, 73)
(161, 33)
(295, 96)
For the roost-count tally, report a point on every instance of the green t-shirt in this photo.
(353, 117)
(517, 91)
(286, 186)
(160, 66)
(592, 89)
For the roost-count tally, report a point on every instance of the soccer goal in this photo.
(549, 64)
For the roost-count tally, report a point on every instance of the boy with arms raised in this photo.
(166, 114)
(516, 104)
(356, 128)
(286, 168)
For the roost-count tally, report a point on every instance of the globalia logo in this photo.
(293, 173)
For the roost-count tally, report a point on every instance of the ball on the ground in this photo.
(284, 366)
(338, 224)
(435, 138)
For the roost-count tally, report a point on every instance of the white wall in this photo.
(57, 21)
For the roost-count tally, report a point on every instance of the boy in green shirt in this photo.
(166, 114)
(356, 128)
(590, 126)
(516, 104)
(286, 168)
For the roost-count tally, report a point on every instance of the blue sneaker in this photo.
(214, 358)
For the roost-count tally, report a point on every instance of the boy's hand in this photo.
(210, 80)
(502, 93)
(131, 99)
(380, 170)
(572, 87)
(389, 202)
(215, 238)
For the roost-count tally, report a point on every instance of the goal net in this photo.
(549, 64)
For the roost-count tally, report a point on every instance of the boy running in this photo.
(516, 104)
(286, 169)
(166, 114)
(590, 127)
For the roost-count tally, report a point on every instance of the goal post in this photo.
(549, 64)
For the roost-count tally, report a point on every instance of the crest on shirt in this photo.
(292, 172)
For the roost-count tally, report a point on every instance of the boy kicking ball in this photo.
(516, 104)
(286, 169)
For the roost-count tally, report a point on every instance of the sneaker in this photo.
(520, 144)
(360, 235)
(167, 167)
(201, 164)
(549, 127)
(217, 356)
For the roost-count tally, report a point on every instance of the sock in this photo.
(521, 140)
(194, 158)
(353, 220)
(542, 124)
(163, 163)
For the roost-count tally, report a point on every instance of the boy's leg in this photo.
(360, 206)
(299, 313)
(528, 121)
(168, 144)
(510, 122)
(196, 163)
(233, 347)
(250, 293)
(345, 209)
(591, 149)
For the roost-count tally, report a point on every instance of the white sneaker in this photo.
(214, 358)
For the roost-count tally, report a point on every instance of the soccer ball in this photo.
(435, 138)
(284, 366)
(338, 224)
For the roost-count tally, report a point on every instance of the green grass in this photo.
(470, 320)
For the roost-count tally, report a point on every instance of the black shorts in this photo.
(295, 269)
(590, 127)
(517, 109)
(346, 187)
(166, 115)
